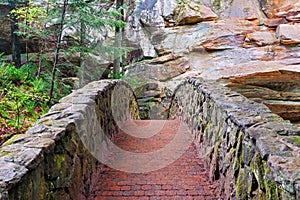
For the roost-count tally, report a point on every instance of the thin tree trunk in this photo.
(117, 60)
(15, 40)
(58, 47)
(42, 46)
(82, 42)
(26, 41)
(118, 41)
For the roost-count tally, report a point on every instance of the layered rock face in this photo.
(279, 90)
(216, 40)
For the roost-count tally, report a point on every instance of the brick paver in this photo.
(186, 178)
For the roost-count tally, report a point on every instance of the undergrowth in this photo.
(24, 97)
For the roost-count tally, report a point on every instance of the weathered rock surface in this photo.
(282, 9)
(158, 72)
(243, 9)
(288, 34)
(179, 39)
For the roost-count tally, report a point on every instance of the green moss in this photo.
(197, 8)
(258, 171)
(14, 139)
(272, 190)
(241, 185)
(52, 185)
(217, 4)
(4, 153)
(59, 160)
(295, 140)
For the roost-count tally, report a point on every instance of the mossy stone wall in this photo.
(53, 160)
(251, 151)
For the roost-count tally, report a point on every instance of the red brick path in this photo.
(186, 178)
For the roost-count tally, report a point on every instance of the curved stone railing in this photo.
(54, 159)
(253, 152)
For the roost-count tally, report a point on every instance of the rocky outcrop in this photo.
(152, 17)
(279, 90)
(228, 47)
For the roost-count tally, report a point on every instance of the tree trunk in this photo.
(118, 42)
(15, 40)
(58, 47)
(82, 42)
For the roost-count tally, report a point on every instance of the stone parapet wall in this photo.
(54, 159)
(253, 152)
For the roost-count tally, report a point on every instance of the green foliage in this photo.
(30, 14)
(23, 98)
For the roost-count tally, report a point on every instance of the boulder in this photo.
(288, 34)
(147, 19)
(260, 38)
(192, 13)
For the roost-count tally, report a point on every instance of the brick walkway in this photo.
(186, 178)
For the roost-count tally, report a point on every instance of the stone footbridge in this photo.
(217, 144)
